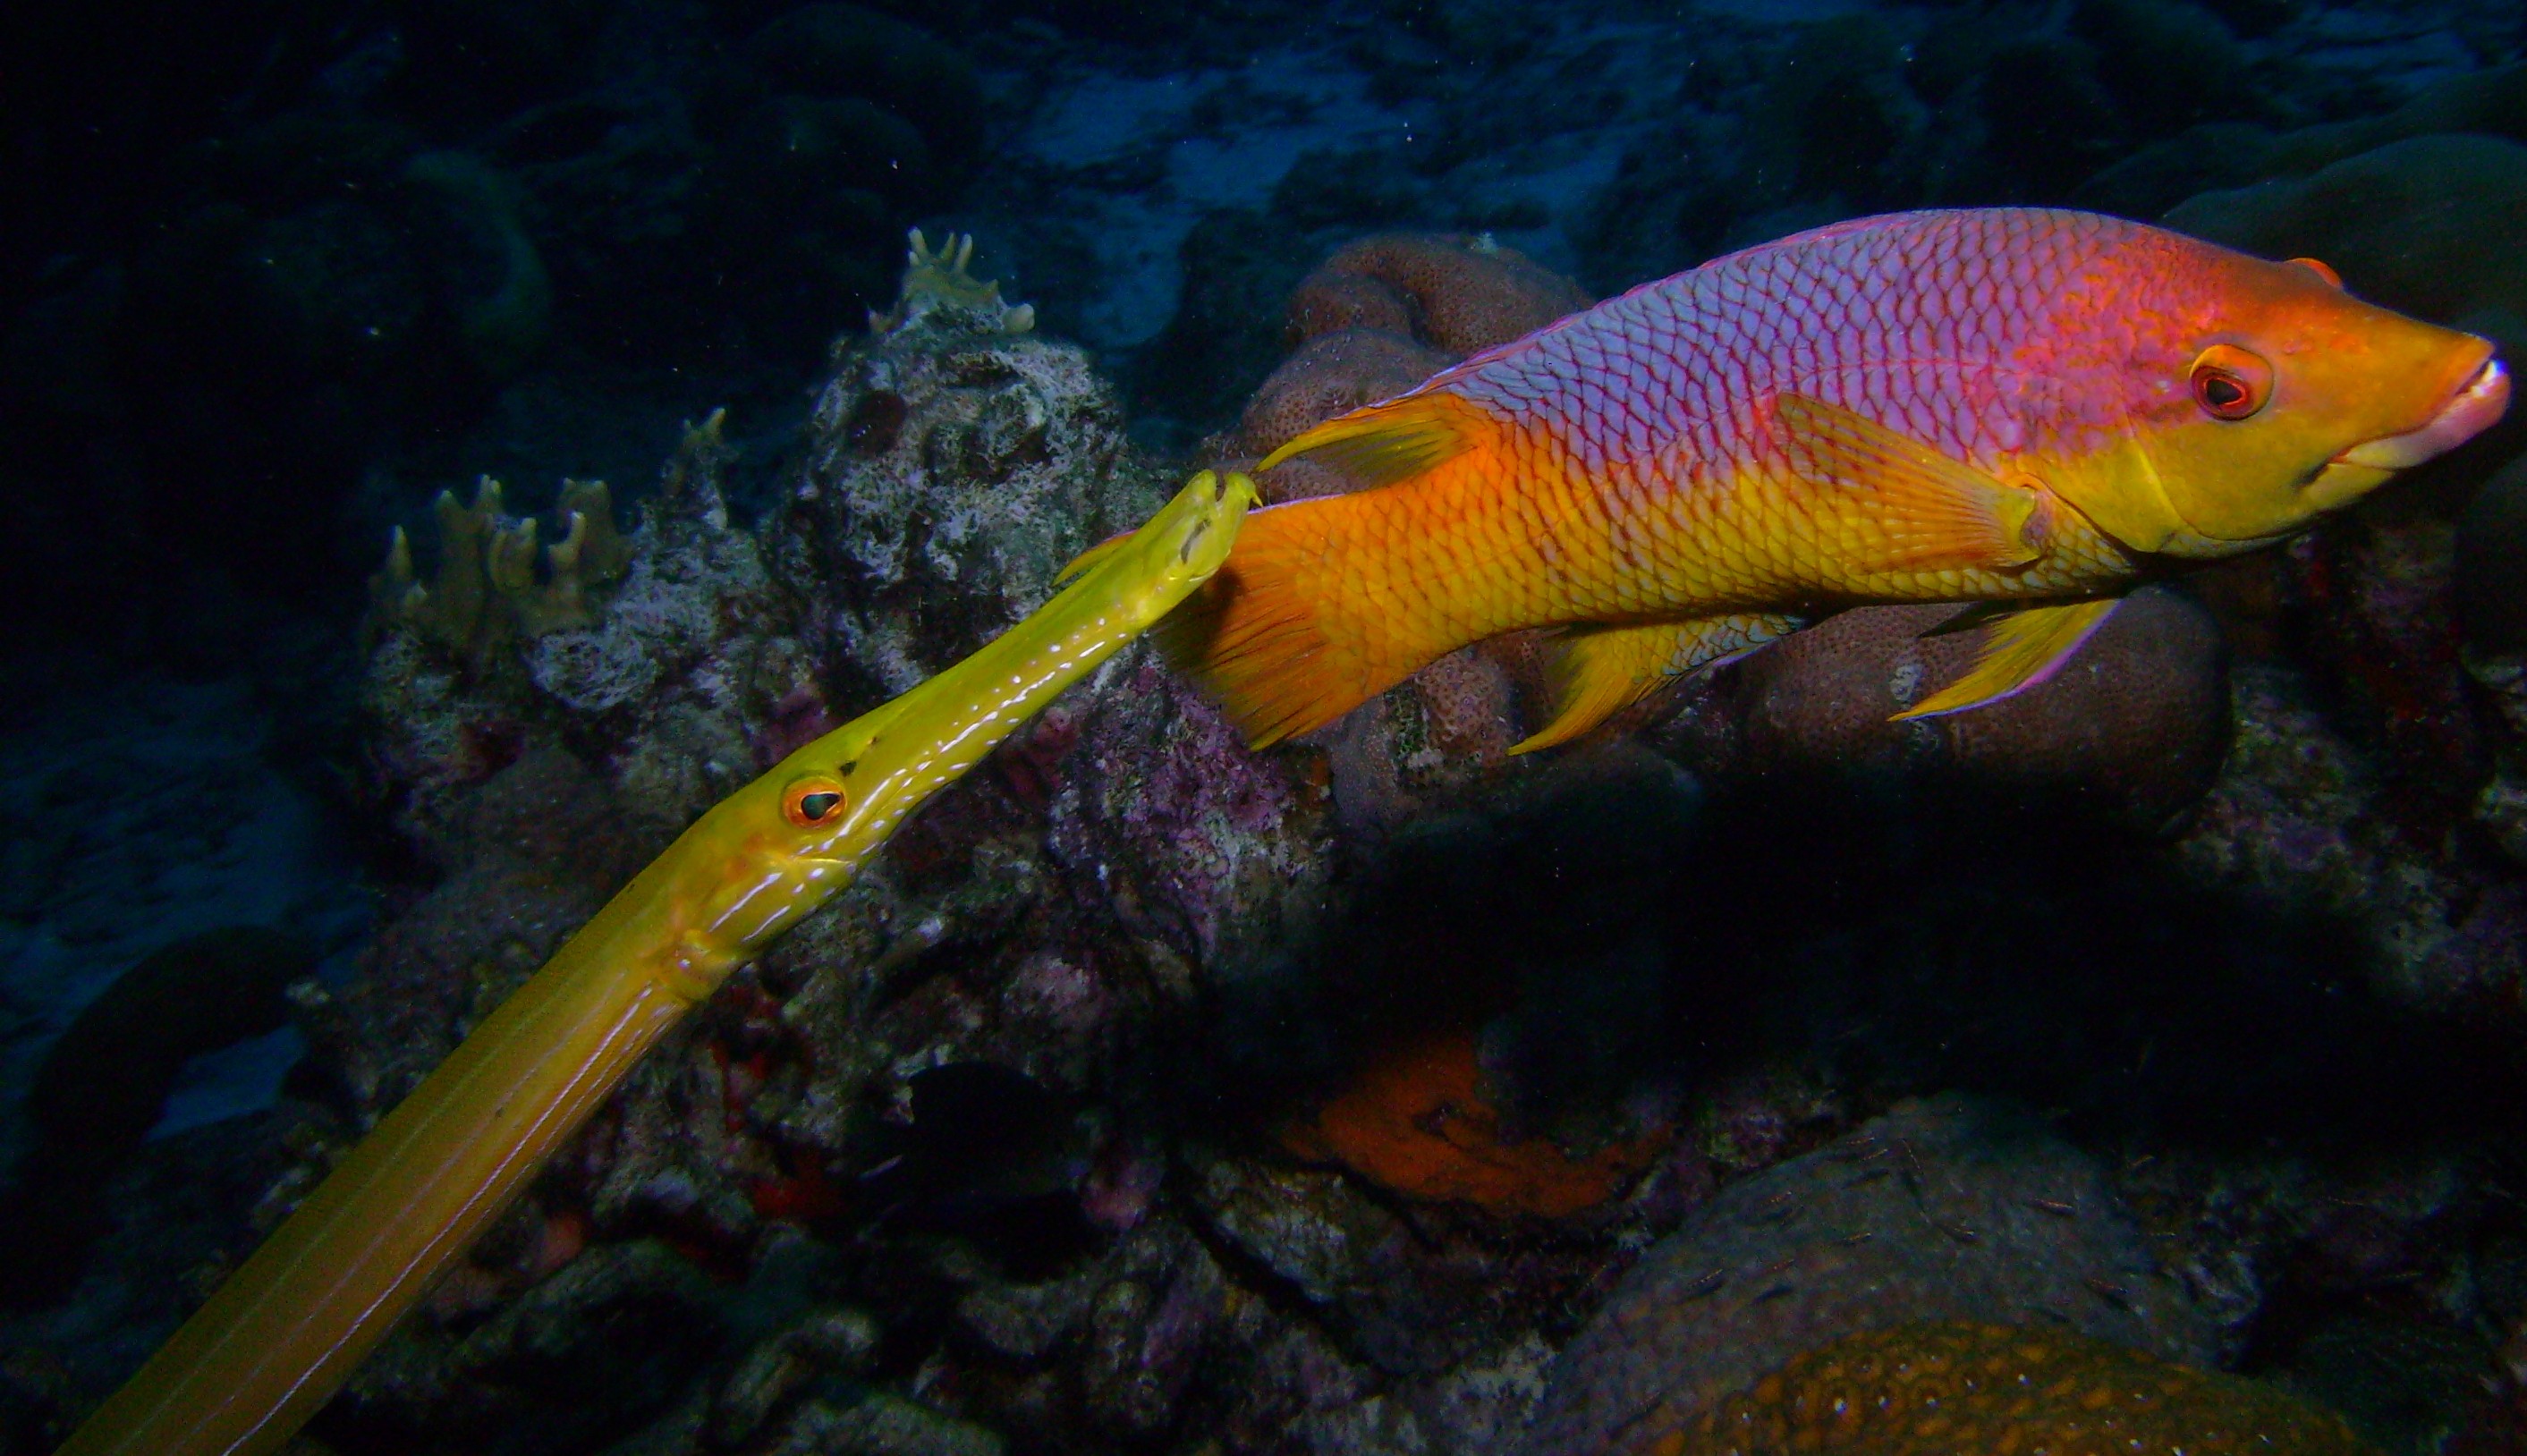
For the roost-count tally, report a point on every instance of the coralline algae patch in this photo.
(1965, 1389)
(1418, 1121)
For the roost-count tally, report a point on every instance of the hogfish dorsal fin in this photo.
(1396, 440)
(2019, 651)
(1598, 671)
(1912, 506)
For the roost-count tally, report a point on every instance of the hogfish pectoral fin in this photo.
(1920, 510)
(1393, 441)
(2019, 651)
(1598, 671)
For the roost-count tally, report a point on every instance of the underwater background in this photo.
(1379, 1093)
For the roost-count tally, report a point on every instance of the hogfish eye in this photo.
(2230, 383)
(812, 801)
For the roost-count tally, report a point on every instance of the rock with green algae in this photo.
(2302, 818)
(955, 464)
(1968, 1388)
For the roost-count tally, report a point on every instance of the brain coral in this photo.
(1960, 1389)
(2137, 722)
(1949, 1209)
(1456, 293)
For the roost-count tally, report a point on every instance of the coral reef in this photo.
(1155, 1094)
(955, 462)
(677, 678)
(1973, 1387)
(1946, 1209)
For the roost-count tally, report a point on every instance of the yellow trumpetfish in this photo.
(277, 1339)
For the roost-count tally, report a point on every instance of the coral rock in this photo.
(1331, 374)
(2418, 224)
(954, 469)
(2490, 542)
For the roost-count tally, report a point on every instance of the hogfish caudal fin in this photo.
(2019, 651)
(1598, 671)
(1276, 642)
(1324, 603)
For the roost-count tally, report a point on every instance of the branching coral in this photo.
(939, 285)
(487, 589)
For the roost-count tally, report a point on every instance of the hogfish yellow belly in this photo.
(285, 1331)
(2013, 406)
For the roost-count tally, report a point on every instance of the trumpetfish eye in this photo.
(2230, 383)
(812, 801)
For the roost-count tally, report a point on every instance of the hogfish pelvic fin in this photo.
(2019, 651)
(1599, 671)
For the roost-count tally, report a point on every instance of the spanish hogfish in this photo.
(2034, 410)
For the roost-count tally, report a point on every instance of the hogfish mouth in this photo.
(2475, 407)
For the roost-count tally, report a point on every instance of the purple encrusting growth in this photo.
(1195, 838)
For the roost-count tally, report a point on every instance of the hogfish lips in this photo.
(2034, 410)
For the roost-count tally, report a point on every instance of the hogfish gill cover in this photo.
(2026, 408)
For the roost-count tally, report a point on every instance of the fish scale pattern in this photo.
(1661, 483)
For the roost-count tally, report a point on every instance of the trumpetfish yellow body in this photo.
(287, 1329)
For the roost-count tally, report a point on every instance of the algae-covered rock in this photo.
(951, 472)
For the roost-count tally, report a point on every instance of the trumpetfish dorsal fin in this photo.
(2018, 650)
